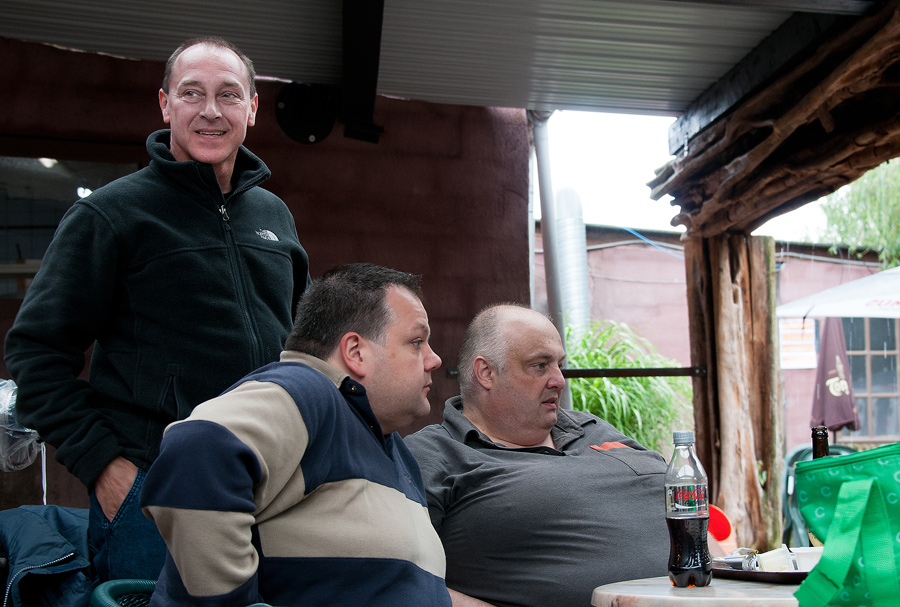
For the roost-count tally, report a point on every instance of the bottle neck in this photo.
(820, 442)
(684, 451)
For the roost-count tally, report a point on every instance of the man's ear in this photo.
(484, 372)
(353, 352)
(164, 105)
(254, 104)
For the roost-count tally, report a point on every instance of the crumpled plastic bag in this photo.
(19, 446)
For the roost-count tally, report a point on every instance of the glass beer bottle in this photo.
(820, 442)
(819, 449)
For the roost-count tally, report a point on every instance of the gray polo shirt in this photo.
(539, 526)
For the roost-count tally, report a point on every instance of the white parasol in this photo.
(875, 296)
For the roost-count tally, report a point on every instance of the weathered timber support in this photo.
(766, 397)
(817, 126)
(703, 353)
(825, 117)
(737, 407)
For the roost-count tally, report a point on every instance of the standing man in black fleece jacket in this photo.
(184, 277)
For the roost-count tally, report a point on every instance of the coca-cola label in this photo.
(682, 499)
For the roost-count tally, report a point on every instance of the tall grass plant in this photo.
(646, 409)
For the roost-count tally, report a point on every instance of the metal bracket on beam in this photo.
(642, 372)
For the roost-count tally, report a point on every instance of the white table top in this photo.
(659, 592)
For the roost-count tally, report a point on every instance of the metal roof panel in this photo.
(646, 56)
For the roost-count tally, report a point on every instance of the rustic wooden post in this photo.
(703, 354)
(737, 410)
(766, 399)
(820, 123)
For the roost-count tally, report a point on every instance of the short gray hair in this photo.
(213, 41)
(484, 337)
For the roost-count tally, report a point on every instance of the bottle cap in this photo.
(683, 437)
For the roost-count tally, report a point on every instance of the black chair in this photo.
(123, 593)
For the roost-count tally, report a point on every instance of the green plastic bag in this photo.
(852, 502)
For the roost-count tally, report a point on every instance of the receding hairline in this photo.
(211, 42)
(215, 47)
(507, 312)
(506, 318)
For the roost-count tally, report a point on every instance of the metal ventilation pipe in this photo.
(571, 264)
(565, 247)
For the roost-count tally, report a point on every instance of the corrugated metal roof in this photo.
(601, 55)
(644, 56)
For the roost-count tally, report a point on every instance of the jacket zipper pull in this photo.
(225, 217)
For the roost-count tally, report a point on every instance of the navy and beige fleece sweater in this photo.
(295, 498)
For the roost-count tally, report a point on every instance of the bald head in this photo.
(484, 337)
(488, 337)
(510, 371)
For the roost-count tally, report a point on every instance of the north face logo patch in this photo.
(266, 234)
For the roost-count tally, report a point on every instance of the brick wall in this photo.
(443, 194)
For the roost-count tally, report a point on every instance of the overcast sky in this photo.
(608, 160)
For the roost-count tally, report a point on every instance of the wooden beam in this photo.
(784, 47)
(820, 126)
(757, 115)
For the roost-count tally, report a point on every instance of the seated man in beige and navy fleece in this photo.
(292, 487)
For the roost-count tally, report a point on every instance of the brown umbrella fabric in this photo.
(833, 402)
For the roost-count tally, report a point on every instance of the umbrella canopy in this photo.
(875, 296)
(833, 403)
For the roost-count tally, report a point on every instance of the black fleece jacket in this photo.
(180, 291)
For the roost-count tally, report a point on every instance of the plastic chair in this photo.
(795, 531)
(123, 593)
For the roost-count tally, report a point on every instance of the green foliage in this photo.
(865, 215)
(646, 409)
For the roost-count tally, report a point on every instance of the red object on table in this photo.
(719, 525)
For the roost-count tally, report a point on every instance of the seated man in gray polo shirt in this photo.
(535, 506)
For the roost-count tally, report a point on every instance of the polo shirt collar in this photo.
(566, 429)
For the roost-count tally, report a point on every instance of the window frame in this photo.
(845, 435)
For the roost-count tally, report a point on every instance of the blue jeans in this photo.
(129, 546)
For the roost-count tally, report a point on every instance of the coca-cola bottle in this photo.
(687, 515)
